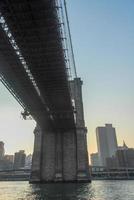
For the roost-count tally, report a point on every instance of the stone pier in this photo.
(62, 156)
(81, 131)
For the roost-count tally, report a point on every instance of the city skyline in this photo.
(103, 53)
(110, 155)
(27, 125)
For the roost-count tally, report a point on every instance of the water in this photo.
(97, 190)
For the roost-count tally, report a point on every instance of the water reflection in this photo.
(97, 190)
(62, 192)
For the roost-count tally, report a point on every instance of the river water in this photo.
(97, 190)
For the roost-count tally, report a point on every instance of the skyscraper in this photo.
(106, 142)
(2, 150)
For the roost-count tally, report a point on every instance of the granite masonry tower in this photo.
(63, 156)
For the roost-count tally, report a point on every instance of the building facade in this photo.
(2, 150)
(125, 157)
(94, 158)
(19, 159)
(28, 161)
(106, 143)
(9, 158)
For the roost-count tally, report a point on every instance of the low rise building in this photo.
(2, 150)
(28, 161)
(124, 158)
(94, 159)
(19, 159)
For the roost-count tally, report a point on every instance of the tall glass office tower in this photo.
(106, 142)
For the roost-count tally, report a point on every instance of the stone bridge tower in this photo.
(63, 157)
(81, 131)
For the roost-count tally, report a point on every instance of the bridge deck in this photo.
(36, 28)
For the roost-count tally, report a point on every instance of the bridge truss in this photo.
(36, 58)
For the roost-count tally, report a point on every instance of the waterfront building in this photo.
(123, 147)
(125, 156)
(112, 162)
(9, 158)
(19, 159)
(2, 150)
(6, 162)
(106, 142)
(28, 161)
(94, 159)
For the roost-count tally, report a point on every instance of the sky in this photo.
(103, 40)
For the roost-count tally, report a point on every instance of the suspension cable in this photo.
(70, 38)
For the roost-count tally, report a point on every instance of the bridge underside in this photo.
(36, 28)
(33, 66)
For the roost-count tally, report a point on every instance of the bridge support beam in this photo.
(62, 156)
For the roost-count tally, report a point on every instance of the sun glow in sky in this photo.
(103, 40)
(15, 132)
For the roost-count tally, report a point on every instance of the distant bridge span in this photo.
(34, 66)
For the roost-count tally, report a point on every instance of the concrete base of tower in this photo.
(59, 157)
(59, 181)
(58, 177)
(83, 177)
(35, 177)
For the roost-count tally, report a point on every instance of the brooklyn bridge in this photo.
(37, 66)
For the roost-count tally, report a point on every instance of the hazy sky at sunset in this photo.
(103, 40)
